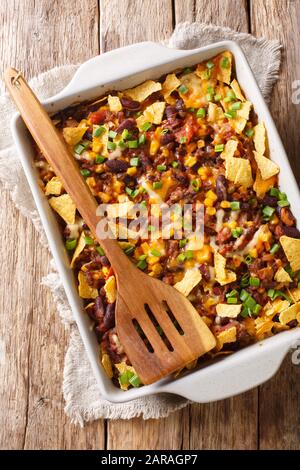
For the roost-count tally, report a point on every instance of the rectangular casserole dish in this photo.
(242, 370)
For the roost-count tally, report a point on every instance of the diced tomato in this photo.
(189, 129)
(98, 117)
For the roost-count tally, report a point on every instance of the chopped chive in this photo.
(274, 248)
(142, 139)
(98, 131)
(142, 264)
(146, 126)
(189, 254)
(282, 196)
(88, 240)
(161, 167)
(235, 205)
(157, 185)
(236, 105)
(232, 300)
(164, 131)
(249, 132)
(100, 250)
(254, 281)
(207, 74)
(182, 140)
(283, 203)
(210, 64)
(201, 113)
(100, 159)
(224, 63)
(143, 203)
(155, 252)
(182, 243)
(138, 113)
(180, 258)
(135, 161)
(219, 148)
(175, 164)
(71, 244)
(85, 172)
(79, 148)
(132, 144)
(111, 145)
(112, 134)
(191, 110)
(183, 89)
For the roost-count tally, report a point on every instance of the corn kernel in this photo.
(165, 152)
(191, 147)
(99, 168)
(253, 253)
(203, 255)
(154, 146)
(190, 161)
(232, 224)
(211, 195)
(105, 270)
(208, 202)
(91, 182)
(152, 260)
(189, 264)
(225, 204)
(97, 146)
(211, 210)
(131, 171)
(156, 268)
(145, 247)
(200, 143)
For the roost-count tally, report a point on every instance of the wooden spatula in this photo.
(159, 328)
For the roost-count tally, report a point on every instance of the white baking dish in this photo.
(120, 69)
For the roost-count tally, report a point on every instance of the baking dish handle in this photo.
(241, 372)
(106, 67)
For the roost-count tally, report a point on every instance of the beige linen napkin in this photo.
(83, 400)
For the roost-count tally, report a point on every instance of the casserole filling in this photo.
(192, 138)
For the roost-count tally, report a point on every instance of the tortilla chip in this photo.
(278, 305)
(154, 113)
(266, 167)
(224, 74)
(141, 92)
(261, 187)
(223, 276)
(289, 314)
(170, 84)
(122, 367)
(294, 294)
(226, 336)
(228, 311)
(99, 144)
(214, 112)
(239, 122)
(114, 104)
(282, 276)
(53, 186)
(291, 248)
(73, 135)
(191, 278)
(84, 290)
(238, 170)
(110, 288)
(237, 91)
(260, 138)
(263, 326)
(79, 247)
(65, 207)
(230, 148)
(107, 365)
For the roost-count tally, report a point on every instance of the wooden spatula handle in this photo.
(62, 161)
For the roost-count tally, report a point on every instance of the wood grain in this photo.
(280, 398)
(32, 337)
(230, 13)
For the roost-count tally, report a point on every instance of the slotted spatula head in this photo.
(159, 328)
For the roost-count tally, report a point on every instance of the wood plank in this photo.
(117, 30)
(231, 13)
(280, 398)
(35, 36)
(130, 21)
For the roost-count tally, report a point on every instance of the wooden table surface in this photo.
(38, 35)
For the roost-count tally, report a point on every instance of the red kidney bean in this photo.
(126, 124)
(269, 201)
(99, 309)
(104, 261)
(117, 165)
(203, 268)
(291, 232)
(167, 138)
(132, 105)
(109, 317)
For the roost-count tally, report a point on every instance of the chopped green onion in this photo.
(248, 259)
(283, 203)
(182, 243)
(282, 196)
(274, 192)
(191, 110)
(175, 164)
(219, 148)
(146, 126)
(268, 211)
(201, 113)
(256, 309)
(142, 139)
(230, 114)
(232, 293)
(244, 295)
(236, 105)
(85, 172)
(254, 281)
(132, 144)
(180, 258)
(195, 184)
(135, 161)
(126, 134)
(210, 64)
(111, 145)
(142, 257)
(273, 294)
(88, 240)
(187, 70)
(131, 192)
(235, 205)
(217, 97)
(122, 144)
(164, 131)
(232, 300)
(79, 148)
(230, 94)
(249, 132)
(112, 134)
(224, 63)
(207, 74)
(189, 254)
(183, 89)
(138, 113)
(236, 232)
(155, 252)
(182, 140)
(250, 302)
(128, 251)
(98, 131)
(142, 264)
(161, 167)
(143, 203)
(157, 185)
(209, 97)
(135, 381)
(100, 159)
(100, 250)
(245, 280)
(71, 244)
